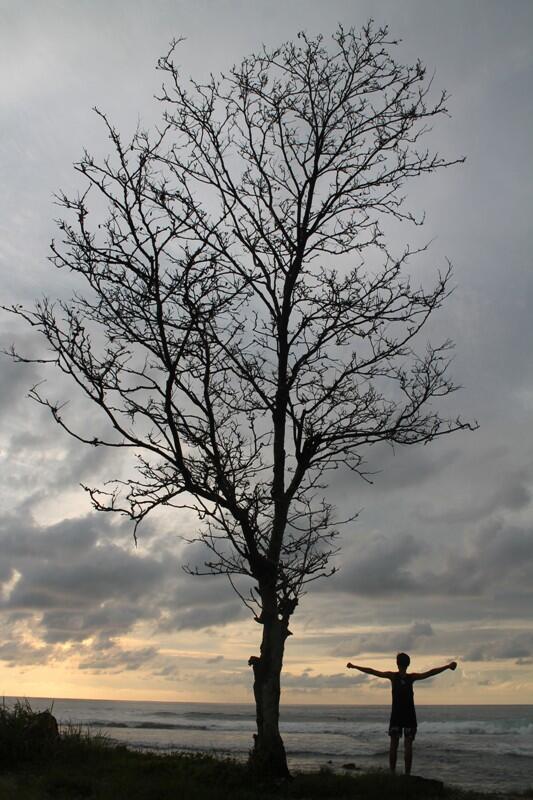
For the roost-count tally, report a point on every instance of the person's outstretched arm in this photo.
(420, 676)
(369, 670)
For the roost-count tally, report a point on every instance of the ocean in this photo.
(489, 748)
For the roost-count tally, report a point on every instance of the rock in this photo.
(350, 765)
(42, 731)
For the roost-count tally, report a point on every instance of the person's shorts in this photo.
(398, 730)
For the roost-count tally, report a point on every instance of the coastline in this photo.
(86, 767)
(479, 748)
(40, 760)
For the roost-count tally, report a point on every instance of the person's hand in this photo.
(349, 665)
(453, 665)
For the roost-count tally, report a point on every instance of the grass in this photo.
(77, 765)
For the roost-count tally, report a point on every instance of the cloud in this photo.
(498, 557)
(102, 573)
(513, 495)
(15, 381)
(81, 582)
(115, 659)
(22, 539)
(385, 641)
(202, 602)
(206, 616)
(380, 566)
(18, 653)
(398, 468)
(109, 619)
(518, 646)
(73, 582)
(308, 682)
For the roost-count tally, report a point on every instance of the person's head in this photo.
(403, 661)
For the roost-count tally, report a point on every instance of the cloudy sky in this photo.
(440, 560)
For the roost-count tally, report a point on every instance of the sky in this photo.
(439, 562)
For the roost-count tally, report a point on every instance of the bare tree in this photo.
(246, 327)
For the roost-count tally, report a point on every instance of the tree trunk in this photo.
(268, 756)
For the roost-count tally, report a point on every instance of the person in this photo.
(403, 713)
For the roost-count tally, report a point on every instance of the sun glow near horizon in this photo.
(210, 666)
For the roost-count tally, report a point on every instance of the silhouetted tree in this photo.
(246, 327)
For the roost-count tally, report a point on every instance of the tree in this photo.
(246, 327)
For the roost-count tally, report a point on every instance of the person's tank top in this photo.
(403, 703)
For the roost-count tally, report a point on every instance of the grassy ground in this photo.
(76, 766)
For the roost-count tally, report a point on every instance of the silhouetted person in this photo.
(403, 714)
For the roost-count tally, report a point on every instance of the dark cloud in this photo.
(201, 602)
(18, 653)
(115, 659)
(308, 682)
(107, 572)
(15, 381)
(206, 616)
(499, 556)
(7, 573)
(380, 566)
(110, 619)
(169, 672)
(514, 494)
(38, 460)
(82, 579)
(22, 539)
(518, 646)
(384, 641)
(395, 469)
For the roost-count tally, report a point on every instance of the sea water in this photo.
(489, 748)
